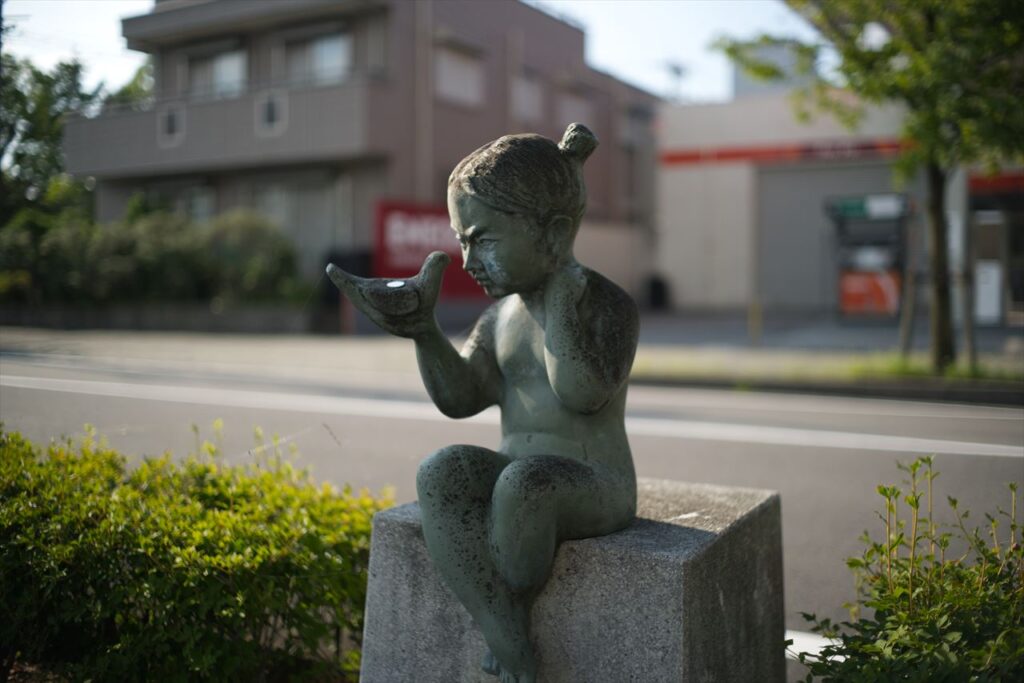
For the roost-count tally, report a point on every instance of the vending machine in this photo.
(871, 249)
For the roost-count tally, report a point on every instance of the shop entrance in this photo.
(871, 252)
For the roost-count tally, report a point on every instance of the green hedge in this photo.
(177, 571)
(64, 258)
(935, 604)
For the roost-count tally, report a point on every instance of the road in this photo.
(366, 421)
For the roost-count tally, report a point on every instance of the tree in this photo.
(12, 104)
(136, 93)
(957, 66)
(34, 106)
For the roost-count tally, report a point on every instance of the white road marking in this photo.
(413, 410)
(244, 398)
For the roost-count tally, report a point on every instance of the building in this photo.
(758, 212)
(318, 112)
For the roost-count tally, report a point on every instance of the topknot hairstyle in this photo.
(529, 174)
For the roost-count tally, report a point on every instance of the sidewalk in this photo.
(822, 355)
(809, 333)
(813, 355)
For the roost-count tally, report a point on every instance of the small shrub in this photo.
(251, 258)
(177, 572)
(169, 258)
(937, 605)
(17, 253)
(153, 256)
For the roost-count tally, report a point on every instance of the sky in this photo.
(634, 40)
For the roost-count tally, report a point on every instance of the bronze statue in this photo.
(554, 352)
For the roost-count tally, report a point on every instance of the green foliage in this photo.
(954, 64)
(933, 604)
(142, 204)
(136, 93)
(154, 256)
(250, 255)
(177, 572)
(34, 106)
(1004, 368)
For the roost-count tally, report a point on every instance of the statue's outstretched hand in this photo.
(402, 307)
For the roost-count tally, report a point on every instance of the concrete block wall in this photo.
(692, 591)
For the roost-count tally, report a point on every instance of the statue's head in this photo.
(516, 204)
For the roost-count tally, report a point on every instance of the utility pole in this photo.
(677, 71)
(3, 30)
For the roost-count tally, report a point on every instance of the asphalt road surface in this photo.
(371, 427)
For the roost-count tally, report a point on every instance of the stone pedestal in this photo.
(692, 591)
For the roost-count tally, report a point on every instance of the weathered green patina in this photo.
(554, 352)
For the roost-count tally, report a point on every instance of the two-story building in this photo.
(316, 111)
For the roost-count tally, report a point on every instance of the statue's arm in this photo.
(460, 384)
(590, 339)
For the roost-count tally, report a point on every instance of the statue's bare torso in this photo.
(534, 420)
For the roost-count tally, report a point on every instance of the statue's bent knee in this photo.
(454, 468)
(437, 469)
(526, 483)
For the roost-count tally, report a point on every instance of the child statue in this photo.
(554, 351)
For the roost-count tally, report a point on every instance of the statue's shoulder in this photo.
(611, 321)
(605, 295)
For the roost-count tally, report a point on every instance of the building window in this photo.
(574, 107)
(218, 75)
(321, 60)
(271, 112)
(170, 125)
(527, 99)
(199, 203)
(459, 77)
(274, 201)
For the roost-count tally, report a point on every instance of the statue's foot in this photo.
(490, 664)
(509, 677)
(509, 653)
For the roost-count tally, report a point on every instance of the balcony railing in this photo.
(262, 125)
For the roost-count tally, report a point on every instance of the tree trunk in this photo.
(943, 349)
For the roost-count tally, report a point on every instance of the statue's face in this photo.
(500, 250)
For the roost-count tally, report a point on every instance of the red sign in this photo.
(869, 292)
(407, 233)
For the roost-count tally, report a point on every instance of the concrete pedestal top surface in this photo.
(691, 591)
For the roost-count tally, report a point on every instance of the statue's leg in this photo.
(541, 500)
(454, 487)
